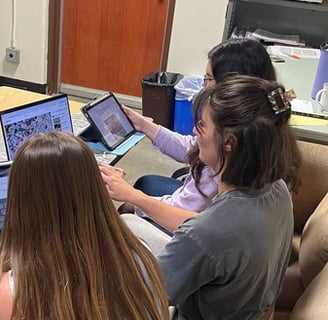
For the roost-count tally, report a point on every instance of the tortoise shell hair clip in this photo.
(280, 100)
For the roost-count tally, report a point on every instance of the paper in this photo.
(294, 52)
(305, 108)
(302, 106)
(268, 36)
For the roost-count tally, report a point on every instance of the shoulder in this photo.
(6, 299)
(228, 212)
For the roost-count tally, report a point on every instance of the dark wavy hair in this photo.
(242, 56)
(251, 115)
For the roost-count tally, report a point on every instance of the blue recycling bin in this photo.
(185, 91)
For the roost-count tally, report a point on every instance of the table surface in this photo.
(12, 97)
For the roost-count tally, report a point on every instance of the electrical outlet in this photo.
(13, 55)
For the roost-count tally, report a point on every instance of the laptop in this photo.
(22, 122)
(4, 174)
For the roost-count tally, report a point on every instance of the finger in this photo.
(120, 171)
(106, 169)
(126, 109)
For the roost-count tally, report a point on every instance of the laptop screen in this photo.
(20, 123)
(4, 173)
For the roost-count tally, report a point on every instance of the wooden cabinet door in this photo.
(111, 45)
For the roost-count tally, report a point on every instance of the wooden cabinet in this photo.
(306, 19)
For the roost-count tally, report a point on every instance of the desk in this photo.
(305, 128)
(12, 97)
(299, 75)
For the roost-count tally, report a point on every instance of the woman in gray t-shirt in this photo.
(228, 262)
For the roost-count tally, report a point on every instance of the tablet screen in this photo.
(109, 118)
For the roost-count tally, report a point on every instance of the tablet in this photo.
(107, 116)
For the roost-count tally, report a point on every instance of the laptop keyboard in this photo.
(80, 123)
(103, 157)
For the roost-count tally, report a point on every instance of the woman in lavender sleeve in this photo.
(195, 193)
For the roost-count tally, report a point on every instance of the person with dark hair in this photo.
(64, 251)
(242, 56)
(228, 261)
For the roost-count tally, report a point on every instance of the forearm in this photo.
(141, 123)
(149, 128)
(168, 216)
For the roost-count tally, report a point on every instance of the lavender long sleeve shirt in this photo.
(176, 146)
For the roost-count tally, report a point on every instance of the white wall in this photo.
(197, 27)
(30, 36)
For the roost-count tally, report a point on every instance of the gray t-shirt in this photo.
(228, 262)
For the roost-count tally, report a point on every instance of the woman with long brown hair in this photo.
(64, 251)
(229, 260)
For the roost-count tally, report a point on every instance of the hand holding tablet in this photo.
(107, 115)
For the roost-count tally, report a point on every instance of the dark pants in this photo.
(157, 186)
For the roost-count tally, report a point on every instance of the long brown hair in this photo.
(251, 115)
(72, 257)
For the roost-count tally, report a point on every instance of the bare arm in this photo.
(141, 123)
(6, 300)
(166, 215)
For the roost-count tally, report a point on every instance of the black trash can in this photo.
(158, 96)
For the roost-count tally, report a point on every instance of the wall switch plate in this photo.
(13, 55)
